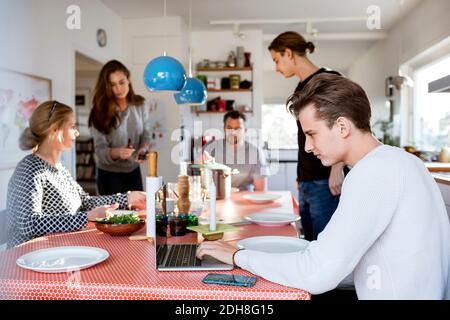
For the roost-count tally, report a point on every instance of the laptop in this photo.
(174, 256)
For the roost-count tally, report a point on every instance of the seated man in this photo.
(238, 154)
(390, 230)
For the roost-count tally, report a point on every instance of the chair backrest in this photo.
(3, 236)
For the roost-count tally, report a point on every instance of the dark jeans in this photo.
(117, 182)
(316, 205)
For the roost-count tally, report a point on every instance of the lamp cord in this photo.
(190, 38)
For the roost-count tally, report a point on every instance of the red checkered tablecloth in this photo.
(129, 272)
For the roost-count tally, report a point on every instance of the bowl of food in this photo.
(120, 224)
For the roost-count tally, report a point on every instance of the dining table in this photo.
(130, 273)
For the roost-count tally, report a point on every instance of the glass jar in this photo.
(235, 81)
(177, 227)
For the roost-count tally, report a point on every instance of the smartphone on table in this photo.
(229, 279)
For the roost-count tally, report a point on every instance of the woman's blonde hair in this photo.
(46, 116)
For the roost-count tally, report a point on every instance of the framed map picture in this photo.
(20, 94)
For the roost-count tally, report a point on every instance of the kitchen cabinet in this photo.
(242, 97)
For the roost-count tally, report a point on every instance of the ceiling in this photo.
(204, 11)
(277, 16)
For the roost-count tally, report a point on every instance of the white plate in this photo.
(62, 259)
(261, 198)
(272, 219)
(273, 244)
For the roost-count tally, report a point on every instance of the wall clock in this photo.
(101, 37)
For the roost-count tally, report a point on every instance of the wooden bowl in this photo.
(119, 229)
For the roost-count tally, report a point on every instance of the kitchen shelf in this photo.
(241, 96)
(224, 69)
(86, 165)
(229, 90)
(203, 112)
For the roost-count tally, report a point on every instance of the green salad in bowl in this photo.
(120, 219)
(120, 224)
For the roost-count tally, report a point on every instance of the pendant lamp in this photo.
(164, 73)
(194, 91)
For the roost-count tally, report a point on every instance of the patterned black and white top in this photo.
(45, 199)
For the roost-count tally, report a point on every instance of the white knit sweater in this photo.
(390, 229)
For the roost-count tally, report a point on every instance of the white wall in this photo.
(424, 26)
(35, 40)
(277, 88)
(143, 40)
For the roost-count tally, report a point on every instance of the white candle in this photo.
(152, 186)
(183, 168)
(212, 210)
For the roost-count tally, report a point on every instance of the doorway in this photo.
(86, 73)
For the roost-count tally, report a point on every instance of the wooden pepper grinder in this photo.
(153, 183)
(184, 203)
(152, 164)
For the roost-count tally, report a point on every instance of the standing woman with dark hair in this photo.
(42, 195)
(118, 122)
(319, 186)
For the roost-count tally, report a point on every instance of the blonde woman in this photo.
(42, 196)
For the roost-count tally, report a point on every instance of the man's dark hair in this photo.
(333, 96)
(234, 114)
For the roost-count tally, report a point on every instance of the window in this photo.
(431, 110)
(279, 127)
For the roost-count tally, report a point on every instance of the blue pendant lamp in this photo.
(194, 91)
(164, 73)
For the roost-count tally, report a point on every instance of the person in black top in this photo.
(319, 186)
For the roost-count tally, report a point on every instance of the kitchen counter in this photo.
(440, 171)
(438, 166)
(441, 177)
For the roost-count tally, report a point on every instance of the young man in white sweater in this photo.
(390, 230)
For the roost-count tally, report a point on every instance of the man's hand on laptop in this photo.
(219, 250)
